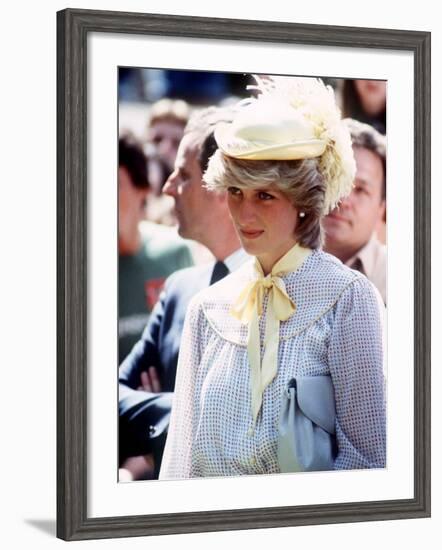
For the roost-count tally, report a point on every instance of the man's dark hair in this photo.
(131, 156)
(352, 108)
(208, 147)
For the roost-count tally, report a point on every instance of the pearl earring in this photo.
(302, 214)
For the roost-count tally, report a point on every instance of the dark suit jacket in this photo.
(144, 417)
(160, 341)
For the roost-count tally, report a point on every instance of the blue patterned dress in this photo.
(336, 330)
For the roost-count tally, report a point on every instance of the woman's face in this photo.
(265, 220)
(372, 95)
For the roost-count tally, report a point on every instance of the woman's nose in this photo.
(246, 212)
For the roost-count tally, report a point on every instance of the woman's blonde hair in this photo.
(299, 180)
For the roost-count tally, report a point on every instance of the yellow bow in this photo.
(248, 309)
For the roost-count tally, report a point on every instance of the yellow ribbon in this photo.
(248, 309)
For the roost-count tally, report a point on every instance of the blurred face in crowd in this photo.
(372, 95)
(196, 209)
(166, 135)
(131, 205)
(265, 221)
(350, 226)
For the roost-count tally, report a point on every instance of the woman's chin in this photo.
(251, 247)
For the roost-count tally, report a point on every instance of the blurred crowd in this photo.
(174, 237)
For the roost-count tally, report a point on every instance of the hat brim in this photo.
(232, 146)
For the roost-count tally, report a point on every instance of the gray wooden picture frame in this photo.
(73, 27)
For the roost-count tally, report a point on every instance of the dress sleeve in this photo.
(177, 457)
(356, 367)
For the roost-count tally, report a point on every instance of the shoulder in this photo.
(327, 266)
(210, 307)
(187, 274)
(183, 284)
(225, 291)
(337, 276)
(362, 293)
(316, 289)
(320, 280)
(336, 279)
(356, 298)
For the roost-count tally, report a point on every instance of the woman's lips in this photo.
(251, 234)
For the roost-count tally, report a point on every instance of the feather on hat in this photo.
(293, 118)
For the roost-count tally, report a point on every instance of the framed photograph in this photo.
(103, 59)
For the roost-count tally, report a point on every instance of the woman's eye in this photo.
(265, 196)
(234, 191)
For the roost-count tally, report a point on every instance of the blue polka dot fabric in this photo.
(336, 329)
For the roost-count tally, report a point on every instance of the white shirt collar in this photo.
(235, 260)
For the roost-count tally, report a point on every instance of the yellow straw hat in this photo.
(291, 119)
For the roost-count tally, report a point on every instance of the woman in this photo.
(292, 313)
(366, 101)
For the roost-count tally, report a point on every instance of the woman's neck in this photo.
(270, 259)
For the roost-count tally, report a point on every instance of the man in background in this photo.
(151, 365)
(351, 227)
(144, 260)
(165, 129)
